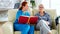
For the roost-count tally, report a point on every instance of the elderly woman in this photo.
(44, 21)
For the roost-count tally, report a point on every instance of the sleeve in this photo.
(27, 14)
(49, 19)
(18, 14)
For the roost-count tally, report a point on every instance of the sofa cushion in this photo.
(58, 28)
(12, 14)
(7, 28)
(17, 32)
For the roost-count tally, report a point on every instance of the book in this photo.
(28, 19)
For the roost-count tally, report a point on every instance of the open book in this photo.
(28, 19)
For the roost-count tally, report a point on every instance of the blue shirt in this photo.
(21, 13)
(45, 17)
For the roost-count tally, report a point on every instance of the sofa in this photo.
(8, 26)
(58, 28)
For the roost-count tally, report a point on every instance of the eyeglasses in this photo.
(41, 7)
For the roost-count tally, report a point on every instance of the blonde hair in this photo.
(41, 5)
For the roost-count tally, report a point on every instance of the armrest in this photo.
(58, 28)
(57, 20)
(53, 24)
(7, 28)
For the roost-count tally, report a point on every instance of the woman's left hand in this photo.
(47, 22)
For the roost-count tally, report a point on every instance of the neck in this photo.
(41, 12)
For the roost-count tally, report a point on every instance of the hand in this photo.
(28, 23)
(47, 22)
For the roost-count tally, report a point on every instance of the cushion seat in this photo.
(36, 32)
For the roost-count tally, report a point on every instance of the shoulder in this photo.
(37, 14)
(47, 14)
(27, 13)
(19, 11)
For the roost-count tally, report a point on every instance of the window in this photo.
(53, 4)
(45, 3)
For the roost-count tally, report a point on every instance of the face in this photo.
(41, 7)
(26, 7)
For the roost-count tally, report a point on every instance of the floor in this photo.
(1, 30)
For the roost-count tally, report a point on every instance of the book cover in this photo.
(28, 19)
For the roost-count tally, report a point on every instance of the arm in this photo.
(27, 13)
(18, 14)
(49, 19)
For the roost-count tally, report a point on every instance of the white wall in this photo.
(44, 2)
(37, 3)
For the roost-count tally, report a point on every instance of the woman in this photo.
(44, 21)
(24, 28)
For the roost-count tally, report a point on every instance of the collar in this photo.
(44, 13)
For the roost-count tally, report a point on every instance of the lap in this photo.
(21, 26)
(41, 23)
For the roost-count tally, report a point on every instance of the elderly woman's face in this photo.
(41, 7)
